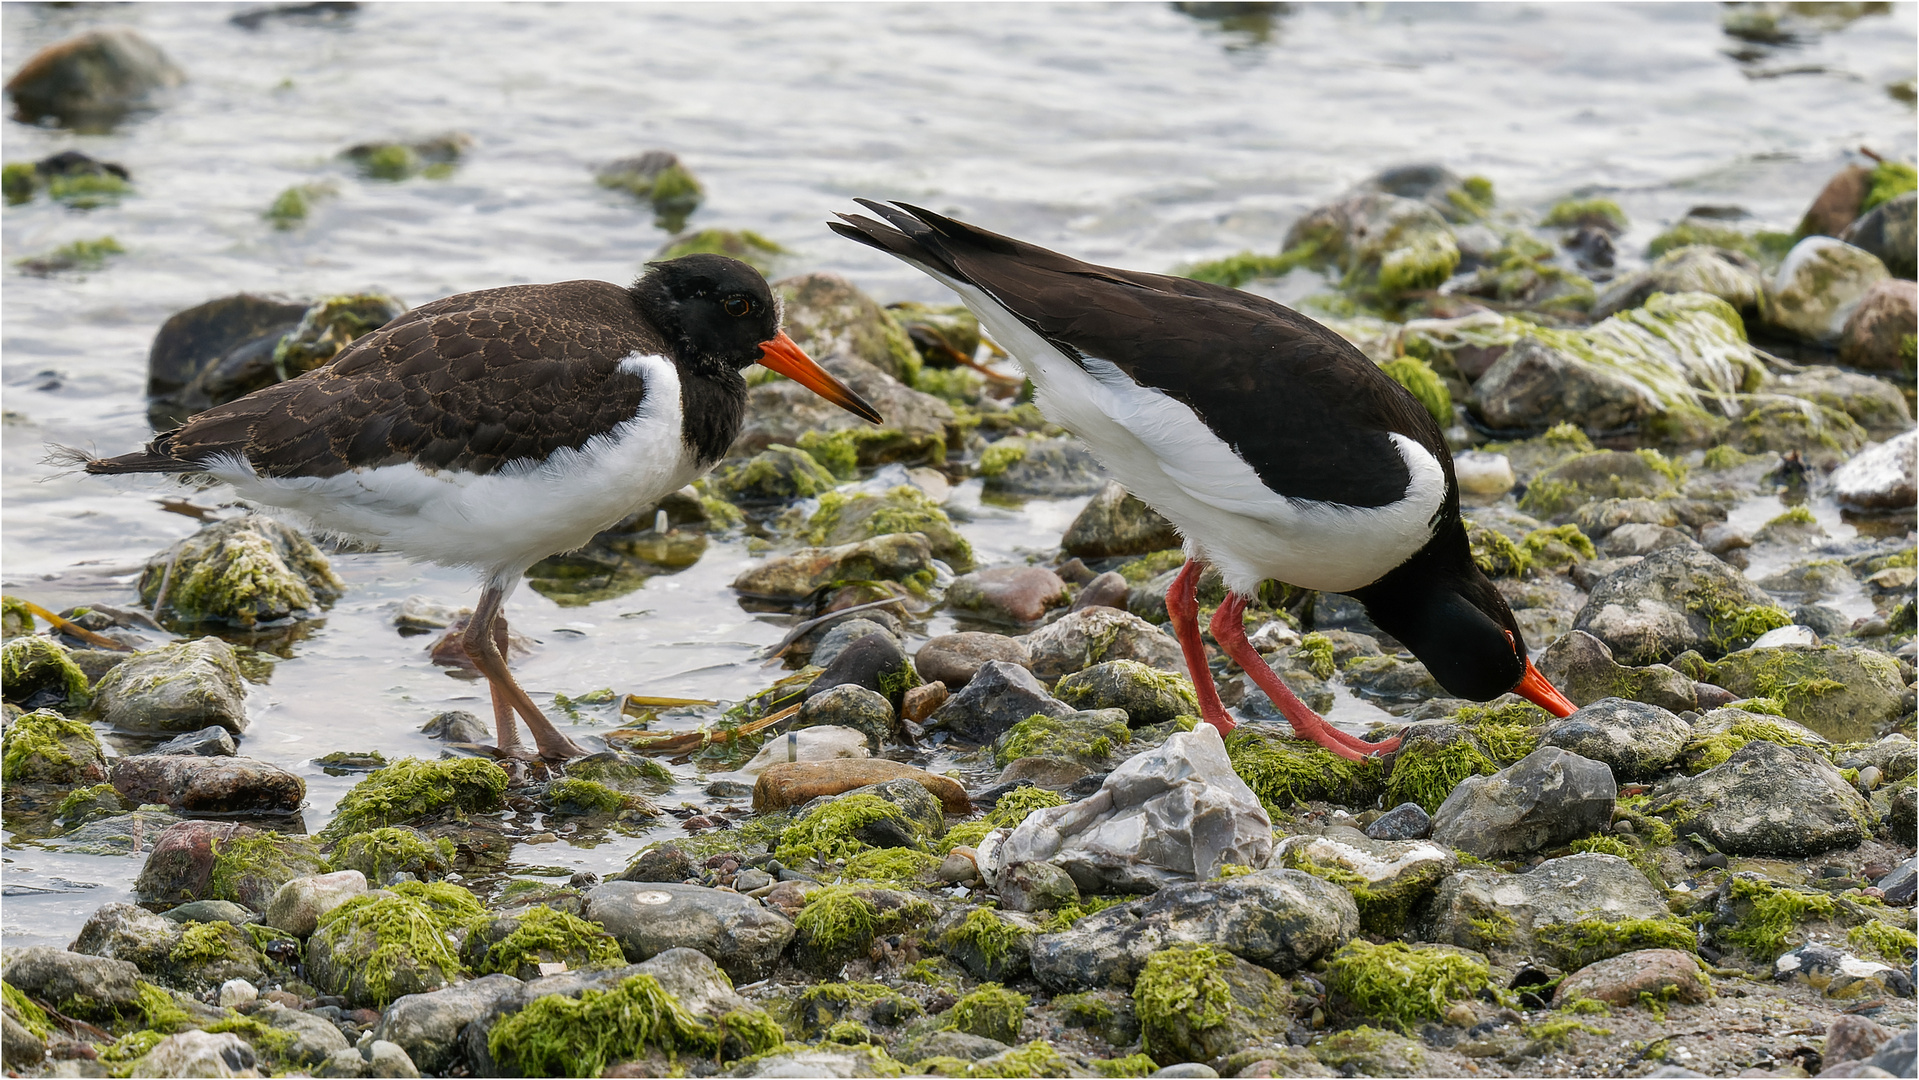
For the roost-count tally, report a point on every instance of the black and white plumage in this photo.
(1275, 447)
(495, 428)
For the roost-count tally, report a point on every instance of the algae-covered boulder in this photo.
(1146, 694)
(848, 519)
(656, 177)
(128, 932)
(1773, 800)
(44, 747)
(648, 919)
(1820, 435)
(411, 790)
(1382, 244)
(991, 945)
(1404, 983)
(387, 944)
(1095, 635)
(1677, 599)
(839, 924)
(1844, 693)
(1598, 475)
(1873, 403)
(749, 247)
(39, 672)
(1199, 1002)
(1667, 365)
(329, 325)
(88, 987)
(378, 854)
(434, 157)
(1732, 276)
(197, 784)
(178, 688)
(297, 906)
(1091, 738)
(1113, 523)
(206, 860)
(90, 81)
(1389, 879)
(1583, 668)
(919, 426)
(1819, 284)
(1570, 911)
(244, 572)
(1890, 231)
(1033, 465)
(519, 944)
(830, 317)
(1368, 1051)
(1878, 335)
(211, 953)
(213, 353)
(775, 474)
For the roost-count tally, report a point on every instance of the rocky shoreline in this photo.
(1708, 869)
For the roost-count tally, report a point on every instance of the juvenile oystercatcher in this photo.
(495, 428)
(1274, 446)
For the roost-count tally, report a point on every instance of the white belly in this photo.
(502, 522)
(1158, 447)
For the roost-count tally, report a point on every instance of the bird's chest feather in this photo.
(515, 515)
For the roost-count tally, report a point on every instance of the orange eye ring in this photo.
(737, 306)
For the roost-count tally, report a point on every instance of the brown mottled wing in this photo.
(469, 383)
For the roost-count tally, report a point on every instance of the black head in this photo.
(1444, 609)
(712, 310)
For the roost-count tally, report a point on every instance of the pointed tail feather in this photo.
(142, 461)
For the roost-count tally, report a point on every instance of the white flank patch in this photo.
(506, 521)
(1161, 451)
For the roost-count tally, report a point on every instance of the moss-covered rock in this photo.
(776, 474)
(330, 325)
(250, 866)
(1198, 1002)
(378, 854)
(177, 688)
(210, 953)
(518, 944)
(410, 790)
(1389, 879)
(1367, 1051)
(1674, 600)
(244, 571)
(839, 924)
(1601, 474)
(291, 207)
(569, 1034)
(1732, 276)
(847, 519)
(384, 945)
(80, 255)
(991, 945)
(434, 158)
(659, 178)
(44, 747)
(944, 334)
(1820, 435)
(1285, 771)
(1147, 695)
(829, 316)
(749, 247)
(1090, 738)
(38, 672)
(1403, 983)
(1844, 693)
(1820, 283)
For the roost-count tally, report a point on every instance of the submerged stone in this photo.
(92, 80)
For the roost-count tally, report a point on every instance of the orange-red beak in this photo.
(1534, 688)
(787, 358)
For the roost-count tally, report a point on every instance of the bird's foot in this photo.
(561, 749)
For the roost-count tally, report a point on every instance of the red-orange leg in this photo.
(1182, 603)
(1307, 724)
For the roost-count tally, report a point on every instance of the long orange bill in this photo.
(787, 358)
(1534, 688)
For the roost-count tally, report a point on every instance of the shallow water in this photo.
(1127, 133)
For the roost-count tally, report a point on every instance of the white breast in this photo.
(1159, 448)
(505, 521)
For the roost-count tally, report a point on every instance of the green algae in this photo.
(1385, 908)
(1147, 567)
(410, 789)
(40, 747)
(1283, 772)
(1890, 179)
(1575, 944)
(574, 796)
(1236, 270)
(291, 207)
(1042, 735)
(1773, 911)
(1182, 984)
(1424, 385)
(1507, 732)
(123, 1054)
(1353, 1051)
(821, 1005)
(545, 935)
(1063, 917)
(1641, 858)
(1014, 806)
(1706, 751)
(1495, 554)
(898, 865)
(1315, 650)
(380, 853)
(1558, 1032)
(1581, 213)
(31, 664)
(1000, 456)
(1892, 944)
(409, 930)
(672, 190)
(31, 1016)
(78, 255)
(745, 245)
(158, 1009)
(836, 917)
(991, 1012)
(1425, 772)
(1405, 983)
(845, 519)
(208, 944)
(1130, 1065)
(1035, 1059)
(827, 832)
(248, 868)
(559, 1035)
(777, 473)
(984, 932)
(330, 325)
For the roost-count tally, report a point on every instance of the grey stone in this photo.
(129, 932)
(1258, 1003)
(851, 706)
(844, 633)
(1091, 739)
(1853, 1038)
(1882, 477)
(92, 80)
(20, 1049)
(1639, 539)
(1534, 385)
(744, 937)
(209, 911)
(1007, 594)
(1517, 916)
(1280, 919)
(198, 1053)
(956, 1044)
(1395, 876)
(998, 696)
(209, 785)
(296, 906)
(1732, 276)
(1081, 639)
(1773, 800)
(212, 741)
(813, 1062)
(1189, 1069)
(1818, 285)
(315, 1038)
(241, 572)
(797, 575)
(182, 687)
(389, 1059)
(1002, 955)
(1901, 883)
(1036, 886)
(1054, 468)
(1115, 523)
(1665, 604)
(1407, 821)
(89, 987)
(921, 816)
(1548, 797)
(1845, 693)
(1888, 231)
(955, 658)
(1636, 740)
(457, 726)
(874, 662)
(1899, 1056)
(427, 1026)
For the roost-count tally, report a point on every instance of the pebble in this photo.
(1407, 821)
(1016, 594)
(1619, 980)
(1883, 477)
(237, 992)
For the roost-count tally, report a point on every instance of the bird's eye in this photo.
(737, 306)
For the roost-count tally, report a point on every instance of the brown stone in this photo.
(181, 865)
(1853, 1038)
(1875, 332)
(1621, 979)
(794, 783)
(921, 700)
(1020, 594)
(209, 785)
(1837, 203)
(1106, 590)
(955, 658)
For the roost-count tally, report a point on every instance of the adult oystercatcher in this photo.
(1274, 446)
(495, 428)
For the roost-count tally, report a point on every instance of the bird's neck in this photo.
(712, 409)
(1440, 569)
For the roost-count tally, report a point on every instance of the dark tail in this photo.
(910, 233)
(143, 461)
